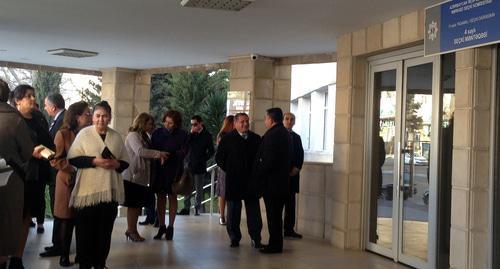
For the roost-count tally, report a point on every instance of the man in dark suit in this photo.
(235, 156)
(54, 105)
(272, 168)
(297, 161)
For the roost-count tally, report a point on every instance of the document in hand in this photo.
(46, 153)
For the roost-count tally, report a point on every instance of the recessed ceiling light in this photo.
(72, 53)
(233, 5)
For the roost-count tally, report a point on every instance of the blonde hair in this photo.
(140, 122)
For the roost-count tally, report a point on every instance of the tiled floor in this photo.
(200, 242)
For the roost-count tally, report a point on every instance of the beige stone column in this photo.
(346, 180)
(128, 93)
(470, 213)
(269, 86)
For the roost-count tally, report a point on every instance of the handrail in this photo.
(212, 170)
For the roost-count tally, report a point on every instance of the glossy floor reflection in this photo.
(200, 242)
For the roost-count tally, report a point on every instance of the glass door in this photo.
(402, 158)
(387, 81)
(418, 162)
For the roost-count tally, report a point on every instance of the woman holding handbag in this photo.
(77, 117)
(172, 139)
(136, 177)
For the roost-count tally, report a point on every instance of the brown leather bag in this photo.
(184, 184)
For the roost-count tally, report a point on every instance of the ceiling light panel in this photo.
(72, 53)
(232, 5)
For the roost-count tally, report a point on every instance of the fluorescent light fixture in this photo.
(72, 53)
(232, 5)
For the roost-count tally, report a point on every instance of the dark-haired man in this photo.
(272, 168)
(235, 156)
(200, 149)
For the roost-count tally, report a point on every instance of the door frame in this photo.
(379, 63)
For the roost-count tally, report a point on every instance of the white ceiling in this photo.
(160, 33)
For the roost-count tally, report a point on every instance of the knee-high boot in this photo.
(66, 234)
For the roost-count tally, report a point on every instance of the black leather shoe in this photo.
(51, 253)
(40, 230)
(183, 212)
(234, 244)
(161, 232)
(64, 261)
(270, 250)
(257, 244)
(293, 235)
(49, 247)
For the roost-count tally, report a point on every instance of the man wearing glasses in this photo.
(201, 148)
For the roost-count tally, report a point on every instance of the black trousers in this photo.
(289, 222)
(254, 219)
(274, 211)
(93, 233)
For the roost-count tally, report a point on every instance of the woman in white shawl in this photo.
(100, 156)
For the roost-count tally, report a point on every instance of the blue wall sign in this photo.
(459, 24)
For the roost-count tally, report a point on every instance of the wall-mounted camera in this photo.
(254, 56)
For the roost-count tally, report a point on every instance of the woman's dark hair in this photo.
(103, 105)
(175, 116)
(71, 115)
(20, 91)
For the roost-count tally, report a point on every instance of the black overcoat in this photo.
(235, 156)
(273, 162)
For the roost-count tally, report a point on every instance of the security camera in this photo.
(254, 56)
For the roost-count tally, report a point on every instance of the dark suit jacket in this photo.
(272, 165)
(201, 148)
(297, 160)
(57, 125)
(235, 156)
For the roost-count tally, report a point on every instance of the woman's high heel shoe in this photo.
(169, 233)
(134, 237)
(161, 231)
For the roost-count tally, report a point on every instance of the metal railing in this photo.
(212, 171)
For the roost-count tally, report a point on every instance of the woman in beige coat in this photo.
(77, 117)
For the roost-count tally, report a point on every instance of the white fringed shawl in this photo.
(97, 185)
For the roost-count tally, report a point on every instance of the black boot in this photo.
(169, 233)
(66, 234)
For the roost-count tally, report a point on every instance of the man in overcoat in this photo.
(272, 168)
(235, 156)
